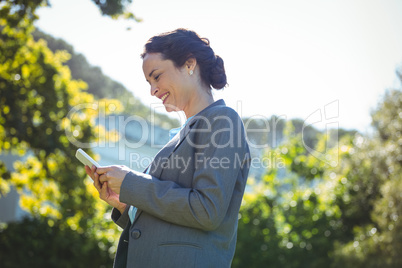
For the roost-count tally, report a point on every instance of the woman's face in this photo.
(170, 84)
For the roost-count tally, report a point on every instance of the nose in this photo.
(154, 89)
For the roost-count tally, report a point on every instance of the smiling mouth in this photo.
(164, 97)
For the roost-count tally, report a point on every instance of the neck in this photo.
(199, 102)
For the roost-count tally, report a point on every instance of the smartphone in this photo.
(85, 158)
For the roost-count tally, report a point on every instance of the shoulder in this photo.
(222, 110)
(217, 126)
(218, 120)
(218, 114)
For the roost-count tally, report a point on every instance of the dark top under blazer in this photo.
(187, 213)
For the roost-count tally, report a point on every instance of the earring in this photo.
(191, 72)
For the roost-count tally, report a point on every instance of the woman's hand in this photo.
(105, 192)
(113, 176)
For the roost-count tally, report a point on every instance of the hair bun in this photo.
(218, 75)
(182, 44)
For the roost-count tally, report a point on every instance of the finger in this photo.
(89, 172)
(103, 192)
(102, 170)
(102, 178)
(97, 184)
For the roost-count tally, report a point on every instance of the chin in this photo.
(171, 108)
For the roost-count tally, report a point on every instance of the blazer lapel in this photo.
(163, 155)
(156, 167)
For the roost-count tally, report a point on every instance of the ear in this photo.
(190, 64)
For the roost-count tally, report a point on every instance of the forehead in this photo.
(152, 61)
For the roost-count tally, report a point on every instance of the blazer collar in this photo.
(172, 145)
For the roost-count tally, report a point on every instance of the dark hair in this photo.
(182, 44)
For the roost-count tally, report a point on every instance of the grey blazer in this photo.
(188, 205)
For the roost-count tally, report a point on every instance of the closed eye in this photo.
(156, 78)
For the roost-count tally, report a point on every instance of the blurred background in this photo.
(317, 84)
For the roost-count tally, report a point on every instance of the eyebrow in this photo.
(150, 74)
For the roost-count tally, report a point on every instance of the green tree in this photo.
(309, 213)
(371, 200)
(289, 219)
(19, 10)
(102, 86)
(116, 9)
(36, 95)
(33, 243)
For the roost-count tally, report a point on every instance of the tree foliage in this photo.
(116, 9)
(33, 243)
(372, 197)
(18, 10)
(288, 217)
(101, 86)
(37, 94)
(310, 213)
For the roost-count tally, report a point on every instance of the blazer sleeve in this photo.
(205, 204)
(120, 219)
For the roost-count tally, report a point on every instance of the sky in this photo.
(325, 62)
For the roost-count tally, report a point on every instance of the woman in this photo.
(182, 211)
